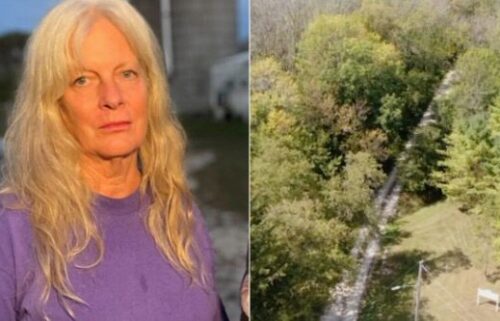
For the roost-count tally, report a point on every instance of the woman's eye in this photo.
(81, 81)
(129, 74)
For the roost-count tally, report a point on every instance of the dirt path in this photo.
(348, 294)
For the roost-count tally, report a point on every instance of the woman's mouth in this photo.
(116, 126)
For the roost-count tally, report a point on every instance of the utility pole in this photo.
(417, 288)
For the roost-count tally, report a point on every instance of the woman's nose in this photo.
(111, 96)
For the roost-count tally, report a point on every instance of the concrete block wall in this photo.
(203, 31)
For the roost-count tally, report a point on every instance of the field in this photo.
(457, 253)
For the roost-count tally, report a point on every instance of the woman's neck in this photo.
(117, 177)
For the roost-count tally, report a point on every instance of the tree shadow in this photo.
(494, 276)
(390, 293)
(448, 262)
(394, 235)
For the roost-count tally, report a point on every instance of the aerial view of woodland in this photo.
(375, 160)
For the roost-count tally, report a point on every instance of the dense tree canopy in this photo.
(332, 108)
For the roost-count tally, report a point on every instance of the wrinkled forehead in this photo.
(87, 28)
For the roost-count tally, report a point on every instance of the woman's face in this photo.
(105, 103)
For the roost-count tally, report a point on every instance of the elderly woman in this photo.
(96, 221)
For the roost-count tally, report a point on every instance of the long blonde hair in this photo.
(42, 158)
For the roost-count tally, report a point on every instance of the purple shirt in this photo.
(132, 282)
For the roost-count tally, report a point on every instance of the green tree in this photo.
(272, 88)
(346, 70)
(468, 172)
(298, 255)
(420, 161)
(350, 195)
(338, 56)
(391, 115)
(279, 173)
(427, 34)
(479, 70)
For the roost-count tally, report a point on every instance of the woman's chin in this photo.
(115, 150)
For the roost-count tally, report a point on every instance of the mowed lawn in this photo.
(458, 253)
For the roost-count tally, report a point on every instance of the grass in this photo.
(455, 249)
